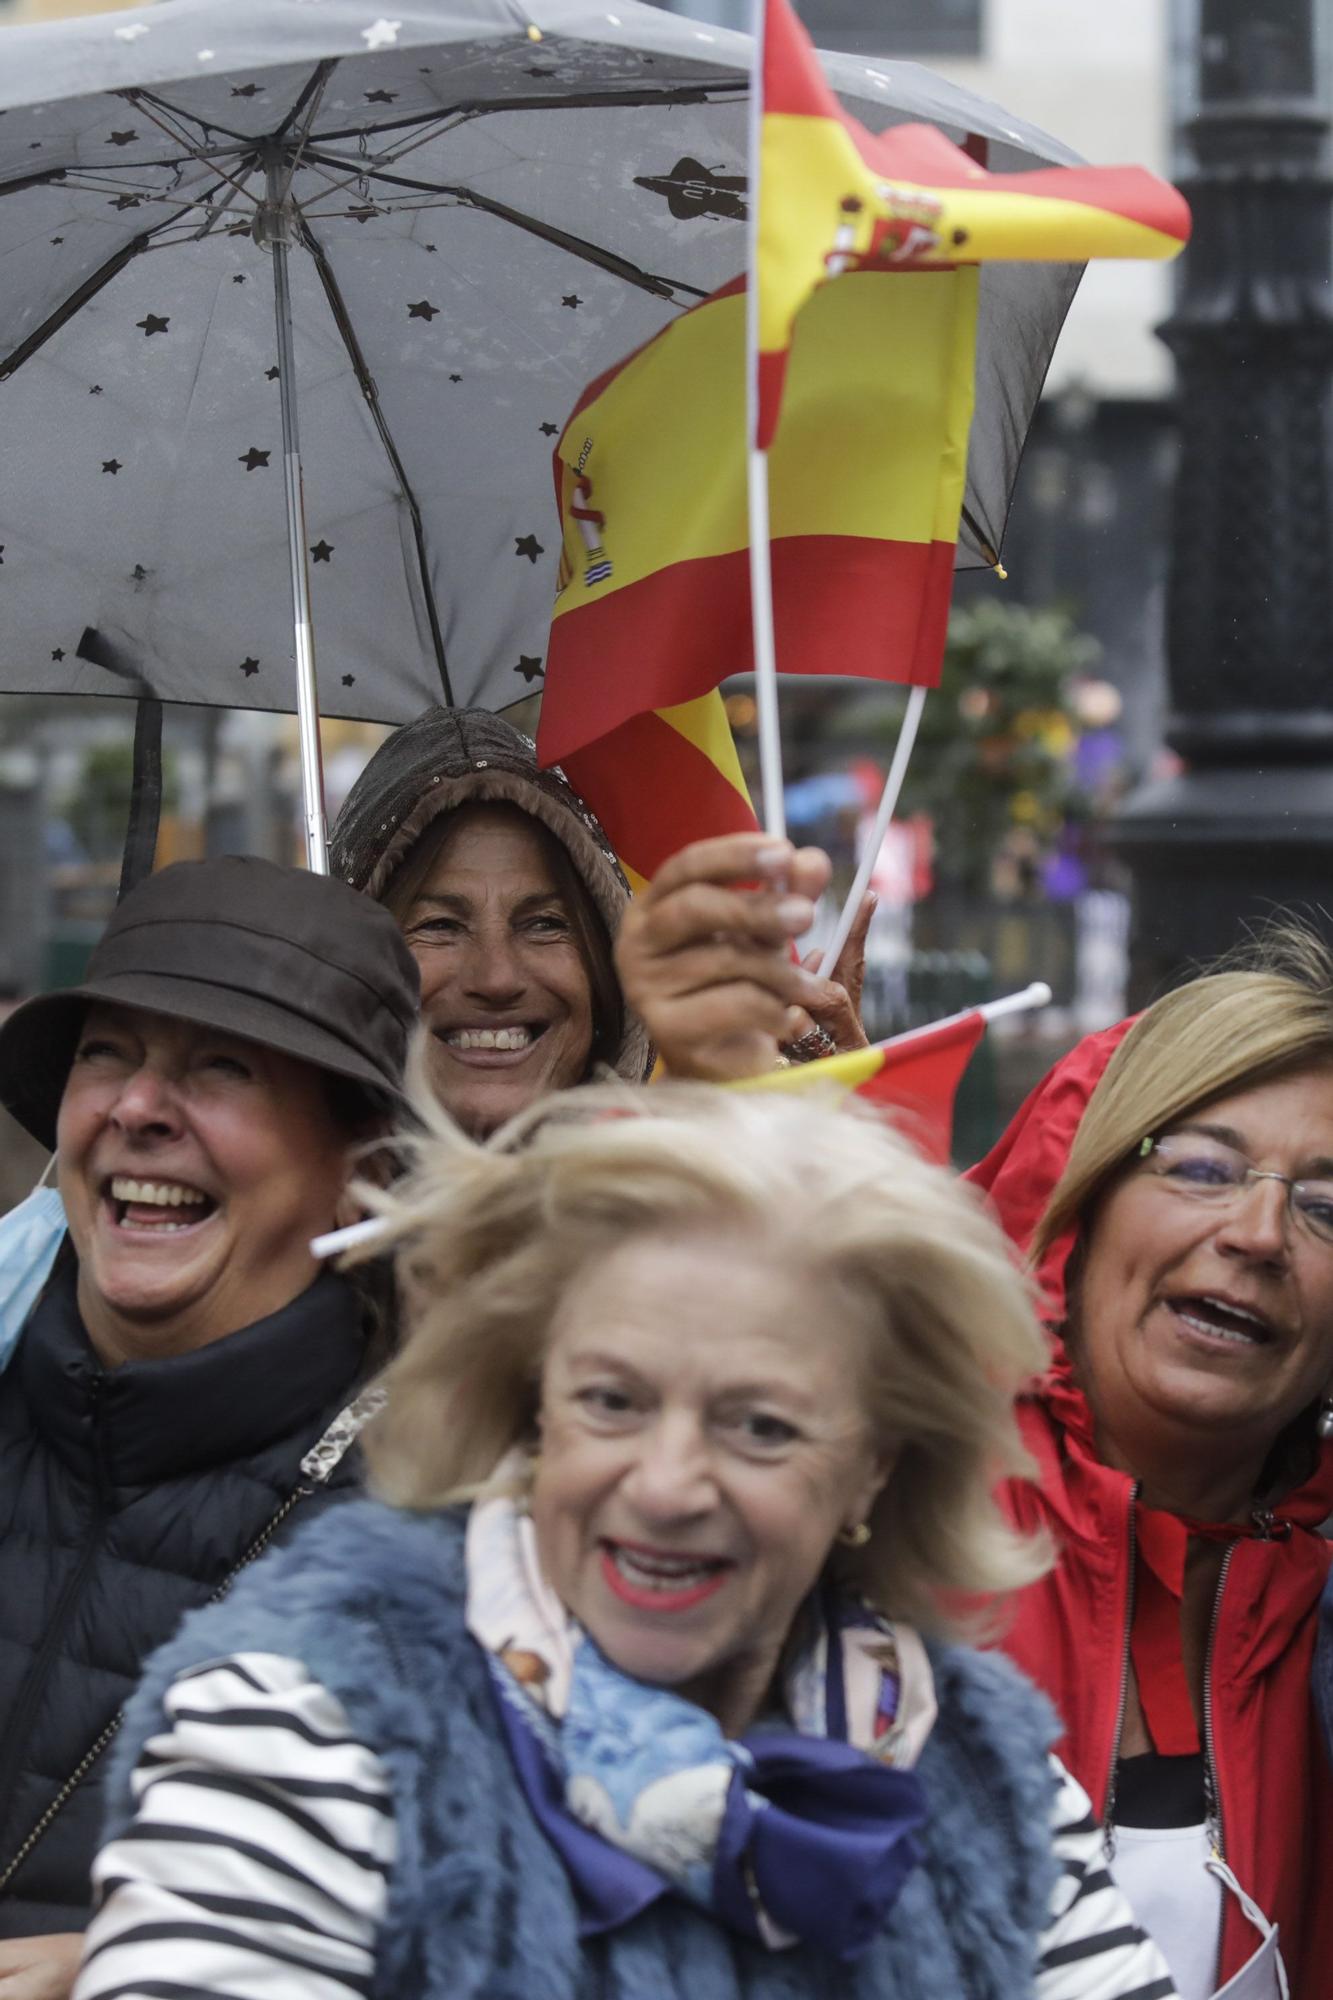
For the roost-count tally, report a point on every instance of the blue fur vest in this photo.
(372, 1602)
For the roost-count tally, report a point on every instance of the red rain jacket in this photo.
(1070, 1631)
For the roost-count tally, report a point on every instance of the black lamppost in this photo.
(1249, 822)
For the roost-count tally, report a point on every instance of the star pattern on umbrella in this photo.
(365, 213)
(153, 323)
(691, 190)
(58, 654)
(529, 546)
(245, 90)
(238, 277)
(272, 374)
(530, 667)
(423, 309)
(123, 201)
(249, 666)
(111, 465)
(572, 300)
(2, 555)
(381, 34)
(56, 242)
(321, 551)
(239, 229)
(122, 138)
(455, 378)
(96, 389)
(381, 96)
(138, 574)
(349, 680)
(132, 33)
(429, 248)
(254, 460)
(549, 430)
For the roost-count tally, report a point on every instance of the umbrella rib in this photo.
(158, 110)
(366, 383)
(25, 181)
(218, 214)
(980, 537)
(577, 246)
(65, 311)
(312, 89)
(588, 100)
(137, 95)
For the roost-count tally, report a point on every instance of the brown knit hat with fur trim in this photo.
(449, 758)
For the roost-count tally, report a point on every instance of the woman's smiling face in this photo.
(703, 1440)
(194, 1168)
(504, 990)
(1214, 1317)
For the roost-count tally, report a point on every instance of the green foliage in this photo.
(993, 765)
(97, 807)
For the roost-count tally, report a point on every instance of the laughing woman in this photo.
(184, 1383)
(1182, 1428)
(637, 1680)
(537, 970)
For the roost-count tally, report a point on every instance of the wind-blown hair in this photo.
(1268, 1011)
(492, 1233)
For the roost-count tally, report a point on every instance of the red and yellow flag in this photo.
(866, 484)
(661, 780)
(833, 197)
(915, 1076)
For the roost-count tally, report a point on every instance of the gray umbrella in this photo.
(463, 211)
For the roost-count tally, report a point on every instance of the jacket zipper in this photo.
(1108, 1814)
(1212, 1794)
(30, 1700)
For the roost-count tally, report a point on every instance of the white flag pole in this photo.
(761, 567)
(888, 803)
(1038, 994)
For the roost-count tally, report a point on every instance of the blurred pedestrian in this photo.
(638, 1679)
(188, 1378)
(1182, 1169)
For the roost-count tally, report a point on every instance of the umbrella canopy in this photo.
(485, 205)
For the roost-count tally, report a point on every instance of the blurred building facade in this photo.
(1090, 520)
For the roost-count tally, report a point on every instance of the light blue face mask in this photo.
(29, 1238)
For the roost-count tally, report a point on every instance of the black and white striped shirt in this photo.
(257, 1864)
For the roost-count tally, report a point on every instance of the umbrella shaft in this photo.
(307, 692)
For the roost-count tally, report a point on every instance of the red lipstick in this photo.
(644, 1597)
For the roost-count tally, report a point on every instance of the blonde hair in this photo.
(1267, 1012)
(492, 1233)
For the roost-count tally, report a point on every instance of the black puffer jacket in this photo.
(127, 1498)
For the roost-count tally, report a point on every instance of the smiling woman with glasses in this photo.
(1207, 1165)
(1182, 1432)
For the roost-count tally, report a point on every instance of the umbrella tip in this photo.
(1001, 572)
(534, 32)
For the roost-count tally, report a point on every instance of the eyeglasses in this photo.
(1207, 1169)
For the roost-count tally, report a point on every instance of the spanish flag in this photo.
(833, 197)
(915, 1076)
(661, 780)
(866, 483)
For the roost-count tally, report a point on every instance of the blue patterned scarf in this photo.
(799, 1831)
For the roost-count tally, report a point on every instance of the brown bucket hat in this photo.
(297, 962)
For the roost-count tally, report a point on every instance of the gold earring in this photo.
(855, 1538)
